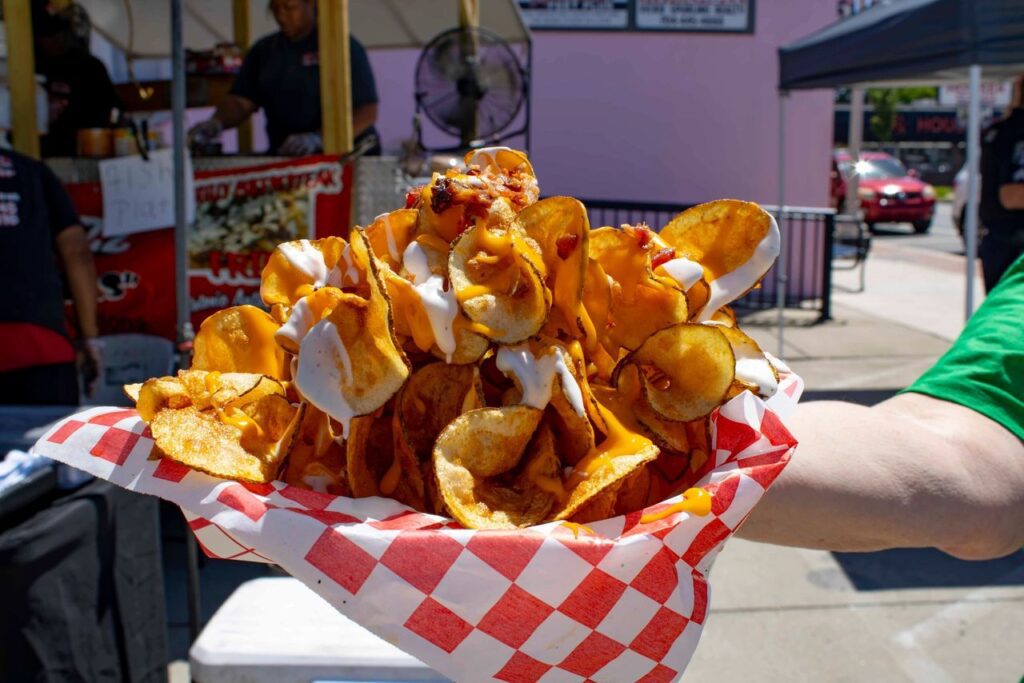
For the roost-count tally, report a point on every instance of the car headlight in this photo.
(866, 193)
(928, 192)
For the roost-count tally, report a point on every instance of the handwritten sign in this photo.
(138, 195)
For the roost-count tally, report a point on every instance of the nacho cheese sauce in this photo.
(440, 304)
(754, 369)
(695, 502)
(732, 285)
(620, 440)
(536, 375)
(324, 368)
(233, 417)
(685, 272)
(306, 259)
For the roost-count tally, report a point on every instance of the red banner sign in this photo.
(241, 214)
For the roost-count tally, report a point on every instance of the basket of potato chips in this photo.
(502, 440)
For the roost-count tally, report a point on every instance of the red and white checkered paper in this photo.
(626, 603)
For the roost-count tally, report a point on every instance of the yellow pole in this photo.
(335, 86)
(240, 16)
(21, 76)
(469, 13)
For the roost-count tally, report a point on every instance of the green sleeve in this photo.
(984, 369)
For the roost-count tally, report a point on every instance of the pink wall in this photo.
(678, 117)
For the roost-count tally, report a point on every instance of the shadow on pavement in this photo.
(927, 568)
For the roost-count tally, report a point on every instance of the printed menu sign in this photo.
(593, 15)
(729, 16)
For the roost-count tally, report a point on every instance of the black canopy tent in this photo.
(905, 42)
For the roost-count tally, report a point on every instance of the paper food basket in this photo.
(549, 603)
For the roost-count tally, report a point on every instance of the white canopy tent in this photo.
(139, 28)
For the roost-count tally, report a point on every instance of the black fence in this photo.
(808, 236)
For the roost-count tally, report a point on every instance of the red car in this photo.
(889, 193)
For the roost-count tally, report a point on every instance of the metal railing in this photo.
(807, 238)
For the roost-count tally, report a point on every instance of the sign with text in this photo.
(241, 215)
(138, 194)
(592, 15)
(726, 16)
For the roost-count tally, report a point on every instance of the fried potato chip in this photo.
(753, 370)
(390, 234)
(559, 225)
(640, 302)
(434, 396)
(315, 460)
(307, 311)
(517, 499)
(496, 275)
(724, 316)
(666, 434)
(203, 390)
(488, 441)
(251, 448)
(634, 491)
(598, 507)
(600, 472)
(132, 391)
(685, 370)
(240, 339)
(504, 159)
(374, 468)
(297, 268)
(350, 363)
(736, 243)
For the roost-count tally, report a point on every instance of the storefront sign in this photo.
(138, 194)
(241, 215)
(588, 15)
(723, 16)
(729, 16)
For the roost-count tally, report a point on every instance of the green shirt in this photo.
(984, 369)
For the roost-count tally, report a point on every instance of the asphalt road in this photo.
(942, 236)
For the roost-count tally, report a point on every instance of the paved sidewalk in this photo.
(784, 614)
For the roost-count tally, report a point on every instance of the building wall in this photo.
(676, 117)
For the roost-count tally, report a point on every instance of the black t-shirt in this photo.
(1002, 162)
(283, 78)
(34, 209)
(81, 96)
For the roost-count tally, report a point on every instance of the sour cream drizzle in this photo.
(754, 369)
(307, 259)
(390, 236)
(685, 272)
(728, 287)
(536, 375)
(298, 324)
(324, 369)
(440, 305)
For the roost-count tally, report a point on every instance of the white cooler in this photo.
(276, 630)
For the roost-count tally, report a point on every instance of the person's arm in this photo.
(233, 110)
(363, 117)
(80, 270)
(913, 471)
(1011, 196)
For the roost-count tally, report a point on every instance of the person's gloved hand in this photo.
(301, 144)
(205, 131)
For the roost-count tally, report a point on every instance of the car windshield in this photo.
(880, 169)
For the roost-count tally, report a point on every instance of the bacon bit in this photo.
(566, 244)
(412, 197)
(473, 170)
(610, 324)
(643, 235)
(663, 257)
(442, 196)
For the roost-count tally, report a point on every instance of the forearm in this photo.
(233, 110)
(362, 118)
(911, 472)
(1011, 196)
(80, 271)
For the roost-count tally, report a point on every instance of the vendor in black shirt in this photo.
(81, 94)
(281, 75)
(1002, 191)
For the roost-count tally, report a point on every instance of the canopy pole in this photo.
(178, 117)
(781, 277)
(335, 85)
(856, 136)
(240, 19)
(21, 76)
(973, 159)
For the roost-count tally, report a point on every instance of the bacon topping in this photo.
(566, 244)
